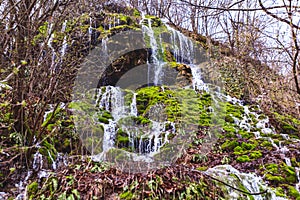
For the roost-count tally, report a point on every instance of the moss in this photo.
(266, 144)
(255, 154)
(287, 124)
(107, 115)
(273, 168)
(229, 119)
(103, 120)
(238, 150)
(32, 189)
(274, 179)
(48, 150)
(136, 13)
(294, 162)
(290, 175)
(202, 168)
(279, 192)
(287, 173)
(245, 135)
(233, 110)
(229, 144)
(288, 129)
(248, 146)
(293, 192)
(155, 21)
(243, 158)
(168, 57)
(228, 128)
(142, 120)
(120, 28)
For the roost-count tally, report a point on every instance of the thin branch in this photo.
(229, 8)
(266, 10)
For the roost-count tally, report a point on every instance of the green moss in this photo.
(290, 174)
(272, 168)
(142, 120)
(288, 129)
(248, 146)
(287, 173)
(107, 115)
(294, 162)
(229, 144)
(234, 110)
(229, 119)
(255, 154)
(103, 120)
(228, 128)
(155, 21)
(279, 192)
(266, 144)
(293, 192)
(136, 13)
(48, 150)
(32, 189)
(274, 179)
(202, 168)
(245, 134)
(287, 124)
(238, 150)
(243, 158)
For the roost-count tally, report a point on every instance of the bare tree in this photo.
(289, 15)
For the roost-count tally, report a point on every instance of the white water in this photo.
(156, 63)
(38, 167)
(112, 100)
(133, 108)
(297, 169)
(251, 182)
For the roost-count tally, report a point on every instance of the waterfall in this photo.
(250, 182)
(133, 108)
(144, 141)
(297, 169)
(183, 48)
(156, 63)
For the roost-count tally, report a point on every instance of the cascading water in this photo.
(142, 141)
(156, 63)
(112, 99)
(250, 183)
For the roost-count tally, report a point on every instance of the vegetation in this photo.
(40, 148)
